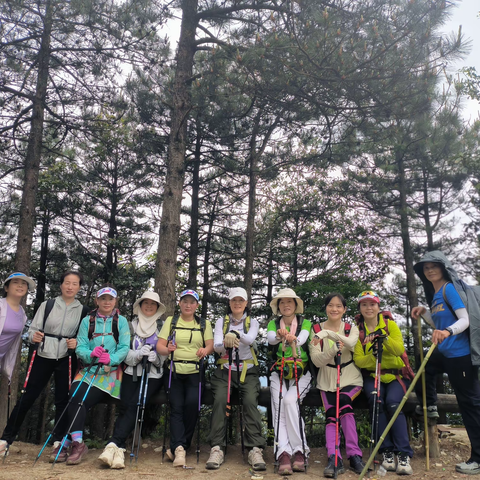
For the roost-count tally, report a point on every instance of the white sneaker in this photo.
(215, 459)
(108, 454)
(4, 447)
(255, 459)
(388, 462)
(469, 467)
(179, 457)
(403, 464)
(119, 459)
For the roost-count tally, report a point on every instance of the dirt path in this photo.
(454, 449)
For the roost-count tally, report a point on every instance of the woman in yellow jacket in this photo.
(392, 386)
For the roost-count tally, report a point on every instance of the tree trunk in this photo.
(30, 186)
(407, 250)
(166, 267)
(110, 265)
(42, 274)
(194, 249)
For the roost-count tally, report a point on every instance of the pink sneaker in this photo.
(79, 450)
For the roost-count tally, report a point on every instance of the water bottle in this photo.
(381, 471)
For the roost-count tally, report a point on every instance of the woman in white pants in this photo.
(286, 335)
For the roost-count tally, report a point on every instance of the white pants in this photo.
(289, 434)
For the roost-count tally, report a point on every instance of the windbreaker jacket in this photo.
(470, 296)
(8, 361)
(63, 321)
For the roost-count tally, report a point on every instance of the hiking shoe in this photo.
(4, 446)
(329, 471)
(179, 460)
(470, 467)
(63, 454)
(215, 459)
(118, 459)
(432, 411)
(356, 464)
(255, 459)
(284, 464)
(388, 462)
(170, 455)
(299, 462)
(79, 450)
(403, 464)
(108, 454)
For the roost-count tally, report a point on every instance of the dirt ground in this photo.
(454, 448)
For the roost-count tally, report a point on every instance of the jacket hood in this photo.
(450, 274)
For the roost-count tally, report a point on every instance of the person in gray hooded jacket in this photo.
(456, 335)
(55, 339)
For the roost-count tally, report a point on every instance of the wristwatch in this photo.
(449, 330)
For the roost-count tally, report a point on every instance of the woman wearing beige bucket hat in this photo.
(289, 380)
(147, 309)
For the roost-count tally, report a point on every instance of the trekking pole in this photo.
(63, 413)
(71, 351)
(144, 402)
(80, 405)
(374, 411)
(379, 339)
(24, 389)
(139, 404)
(199, 407)
(300, 423)
(338, 362)
(397, 411)
(240, 401)
(424, 398)
(228, 407)
(279, 406)
(167, 407)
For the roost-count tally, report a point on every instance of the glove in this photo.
(231, 340)
(152, 356)
(104, 358)
(143, 352)
(97, 351)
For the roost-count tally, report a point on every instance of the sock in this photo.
(67, 443)
(77, 436)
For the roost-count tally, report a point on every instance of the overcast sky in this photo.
(466, 14)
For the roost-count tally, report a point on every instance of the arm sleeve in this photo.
(349, 341)
(37, 322)
(322, 358)
(250, 337)
(462, 323)
(218, 337)
(272, 333)
(123, 345)
(394, 342)
(304, 334)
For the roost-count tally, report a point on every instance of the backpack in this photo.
(91, 326)
(201, 321)
(406, 371)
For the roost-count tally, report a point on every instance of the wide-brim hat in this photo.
(31, 283)
(286, 293)
(151, 296)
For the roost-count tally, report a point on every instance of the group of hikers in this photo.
(117, 358)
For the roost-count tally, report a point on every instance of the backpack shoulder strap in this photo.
(48, 309)
(387, 316)
(316, 328)
(173, 324)
(299, 325)
(452, 311)
(91, 324)
(347, 329)
(226, 324)
(115, 332)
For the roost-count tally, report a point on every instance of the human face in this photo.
(16, 288)
(369, 309)
(287, 307)
(433, 272)
(70, 287)
(335, 309)
(237, 305)
(149, 307)
(188, 305)
(106, 304)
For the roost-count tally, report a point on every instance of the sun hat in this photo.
(286, 293)
(368, 295)
(31, 283)
(237, 292)
(151, 296)
(192, 293)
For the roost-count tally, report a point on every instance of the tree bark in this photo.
(42, 274)
(166, 267)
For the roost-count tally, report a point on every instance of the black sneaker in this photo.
(356, 464)
(329, 471)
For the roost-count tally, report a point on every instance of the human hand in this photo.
(97, 351)
(282, 332)
(417, 312)
(231, 340)
(201, 353)
(71, 343)
(104, 358)
(439, 336)
(152, 356)
(171, 346)
(38, 337)
(290, 338)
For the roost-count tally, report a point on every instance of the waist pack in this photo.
(289, 368)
